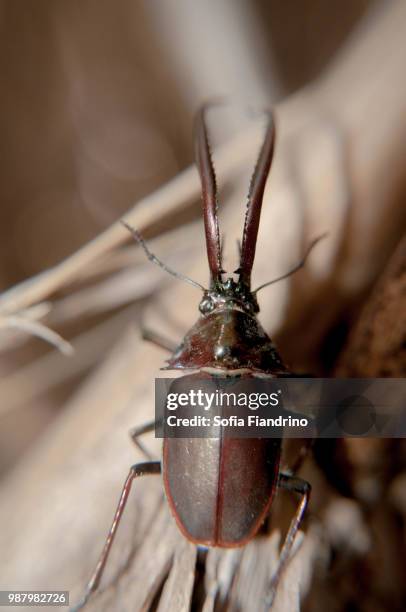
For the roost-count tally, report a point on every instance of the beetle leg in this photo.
(139, 469)
(158, 340)
(291, 483)
(140, 430)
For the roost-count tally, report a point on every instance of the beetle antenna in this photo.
(138, 238)
(254, 204)
(297, 266)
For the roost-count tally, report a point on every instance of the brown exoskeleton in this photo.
(220, 491)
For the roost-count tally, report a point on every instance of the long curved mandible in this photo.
(209, 195)
(254, 204)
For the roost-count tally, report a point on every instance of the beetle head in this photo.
(228, 294)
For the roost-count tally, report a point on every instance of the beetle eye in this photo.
(206, 305)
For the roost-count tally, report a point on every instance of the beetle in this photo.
(220, 490)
